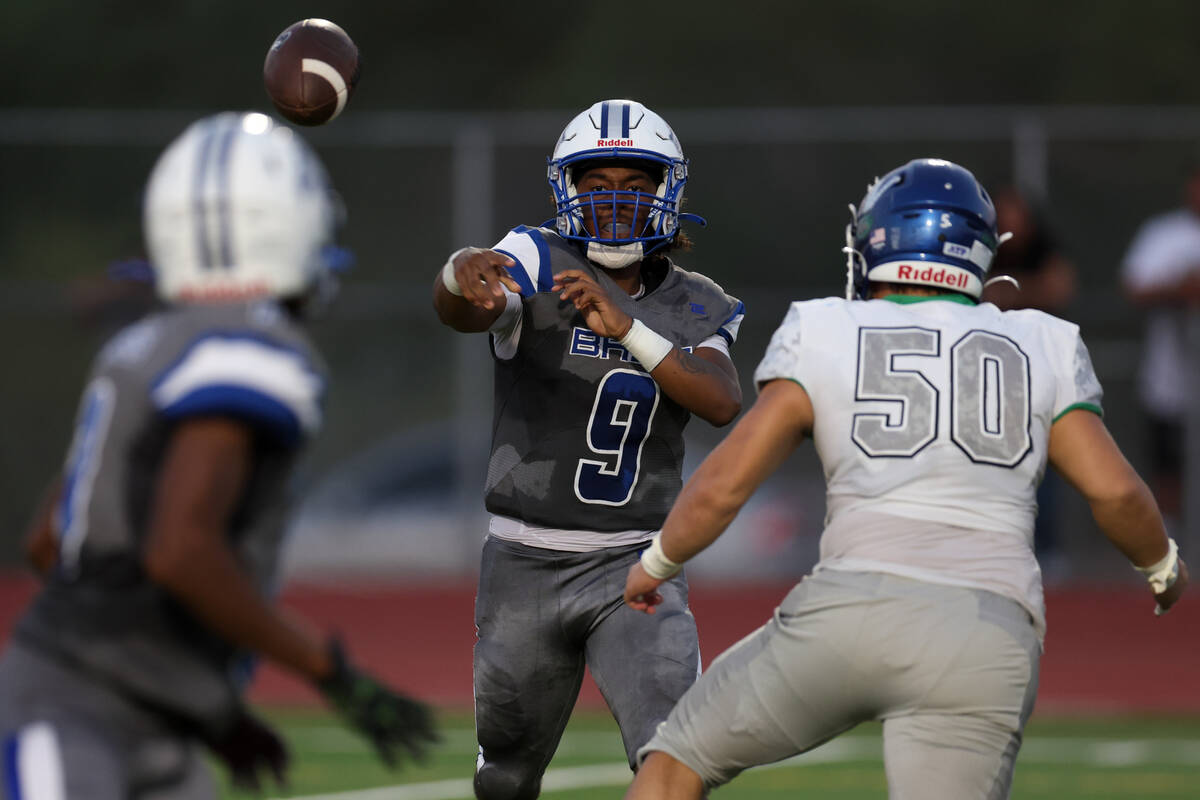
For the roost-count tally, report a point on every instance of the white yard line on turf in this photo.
(1099, 752)
(847, 749)
(1111, 752)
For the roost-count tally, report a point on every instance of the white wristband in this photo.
(655, 561)
(645, 345)
(1161, 576)
(448, 279)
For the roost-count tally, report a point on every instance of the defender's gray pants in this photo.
(541, 614)
(952, 672)
(68, 737)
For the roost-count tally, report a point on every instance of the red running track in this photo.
(1106, 652)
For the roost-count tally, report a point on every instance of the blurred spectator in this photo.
(1161, 273)
(113, 299)
(1045, 280)
(1031, 257)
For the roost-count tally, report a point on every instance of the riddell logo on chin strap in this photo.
(614, 143)
(940, 276)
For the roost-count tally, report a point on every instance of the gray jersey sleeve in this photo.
(242, 374)
(529, 248)
(784, 358)
(1078, 386)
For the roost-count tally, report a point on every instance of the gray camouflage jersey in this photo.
(98, 611)
(583, 437)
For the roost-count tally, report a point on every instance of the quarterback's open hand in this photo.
(641, 590)
(249, 748)
(481, 274)
(1171, 596)
(599, 313)
(389, 719)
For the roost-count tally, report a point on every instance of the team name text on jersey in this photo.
(588, 343)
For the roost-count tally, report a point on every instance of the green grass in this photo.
(1063, 759)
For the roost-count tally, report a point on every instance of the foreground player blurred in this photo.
(160, 541)
(603, 349)
(934, 418)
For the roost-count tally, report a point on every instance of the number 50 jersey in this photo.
(934, 409)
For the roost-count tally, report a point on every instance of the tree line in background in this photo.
(426, 54)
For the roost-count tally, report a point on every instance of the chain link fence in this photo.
(395, 481)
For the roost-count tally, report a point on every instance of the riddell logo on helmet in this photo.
(940, 276)
(614, 143)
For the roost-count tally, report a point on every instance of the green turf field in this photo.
(1078, 759)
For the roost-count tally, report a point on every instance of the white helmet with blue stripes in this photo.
(239, 208)
(627, 132)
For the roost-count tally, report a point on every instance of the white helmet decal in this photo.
(238, 208)
(621, 124)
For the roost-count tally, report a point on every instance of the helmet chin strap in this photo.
(1003, 279)
(614, 257)
(853, 257)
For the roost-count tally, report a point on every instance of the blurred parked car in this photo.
(397, 509)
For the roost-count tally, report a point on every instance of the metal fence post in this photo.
(1189, 536)
(472, 185)
(1031, 158)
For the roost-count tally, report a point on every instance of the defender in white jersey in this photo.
(934, 418)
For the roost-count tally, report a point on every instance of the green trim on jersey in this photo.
(758, 386)
(906, 299)
(1092, 407)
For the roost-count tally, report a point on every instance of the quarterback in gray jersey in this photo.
(934, 418)
(159, 542)
(603, 348)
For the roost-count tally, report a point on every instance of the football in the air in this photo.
(310, 71)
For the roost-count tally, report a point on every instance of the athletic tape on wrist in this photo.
(645, 345)
(656, 563)
(448, 279)
(1161, 576)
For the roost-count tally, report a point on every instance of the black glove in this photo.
(249, 747)
(389, 719)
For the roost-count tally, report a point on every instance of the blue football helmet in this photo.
(930, 223)
(627, 132)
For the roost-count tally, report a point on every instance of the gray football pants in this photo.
(66, 737)
(952, 672)
(541, 615)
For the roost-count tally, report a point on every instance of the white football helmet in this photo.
(237, 208)
(625, 131)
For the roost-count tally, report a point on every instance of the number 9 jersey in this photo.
(933, 437)
(584, 439)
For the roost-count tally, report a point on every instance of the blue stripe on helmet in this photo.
(604, 120)
(625, 120)
(199, 207)
(224, 226)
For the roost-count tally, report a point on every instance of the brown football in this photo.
(310, 71)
